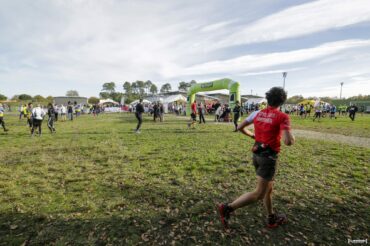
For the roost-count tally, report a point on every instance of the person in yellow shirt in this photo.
(28, 114)
(2, 123)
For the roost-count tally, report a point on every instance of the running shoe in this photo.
(275, 220)
(224, 213)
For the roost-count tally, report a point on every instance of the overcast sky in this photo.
(50, 46)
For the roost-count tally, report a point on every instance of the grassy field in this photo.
(95, 182)
(360, 127)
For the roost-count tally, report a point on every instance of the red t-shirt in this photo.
(194, 108)
(268, 125)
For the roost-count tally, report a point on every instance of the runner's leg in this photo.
(251, 197)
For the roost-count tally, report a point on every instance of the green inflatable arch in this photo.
(220, 84)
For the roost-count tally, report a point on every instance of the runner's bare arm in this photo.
(242, 128)
(288, 137)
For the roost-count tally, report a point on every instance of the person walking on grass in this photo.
(237, 110)
(200, 113)
(28, 114)
(269, 125)
(51, 114)
(193, 114)
(2, 122)
(318, 111)
(352, 111)
(37, 118)
(139, 110)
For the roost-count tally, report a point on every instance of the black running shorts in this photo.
(265, 166)
(193, 116)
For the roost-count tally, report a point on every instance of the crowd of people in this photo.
(222, 112)
(322, 110)
(36, 114)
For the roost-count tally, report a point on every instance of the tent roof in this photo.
(137, 101)
(256, 100)
(174, 98)
(107, 101)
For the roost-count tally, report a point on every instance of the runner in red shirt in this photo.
(193, 114)
(269, 125)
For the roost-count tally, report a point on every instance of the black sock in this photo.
(228, 208)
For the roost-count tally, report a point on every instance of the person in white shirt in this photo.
(37, 115)
(63, 112)
(218, 113)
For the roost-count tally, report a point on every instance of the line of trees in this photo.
(135, 90)
(26, 97)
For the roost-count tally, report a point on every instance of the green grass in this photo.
(96, 182)
(360, 127)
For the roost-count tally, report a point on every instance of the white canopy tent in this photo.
(256, 100)
(174, 98)
(137, 101)
(171, 99)
(108, 101)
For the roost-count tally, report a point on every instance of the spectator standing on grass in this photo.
(70, 111)
(269, 125)
(161, 112)
(51, 119)
(352, 111)
(2, 122)
(29, 115)
(155, 112)
(37, 117)
(201, 113)
(77, 108)
(139, 110)
(236, 111)
(56, 112)
(21, 111)
(333, 110)
(63, 112)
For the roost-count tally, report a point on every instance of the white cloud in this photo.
(305, 19)
(279, 71)
(217, 26)
(253, 62)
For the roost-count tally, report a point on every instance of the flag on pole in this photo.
(285, 74)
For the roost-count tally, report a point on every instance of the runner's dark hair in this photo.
(276, 96)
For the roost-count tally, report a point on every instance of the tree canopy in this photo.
(24, 97)
(109, 87)
(166, 88)
(39, 98)
(72, 93)
(93, 100)
(3, 97)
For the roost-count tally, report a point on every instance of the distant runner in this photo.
(318, 111)
(28, 114)
(269, 125)
(236, 111)
(139, 115)
(193, 114)
(51, 114)
(352, 111)
(2, 123)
